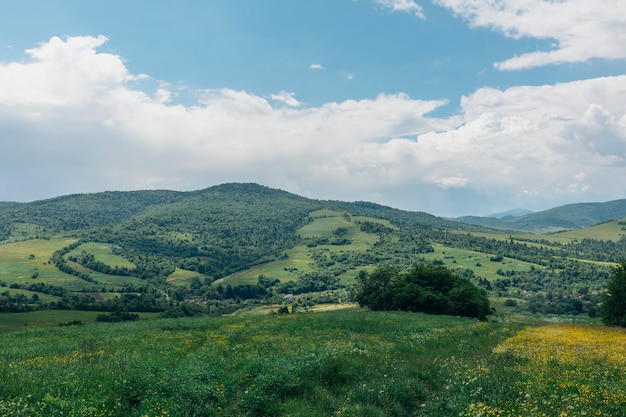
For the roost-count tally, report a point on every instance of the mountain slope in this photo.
(217, 248)
(567, 217)
(216, 231)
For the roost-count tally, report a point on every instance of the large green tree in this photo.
(425, 288)
(614, 300)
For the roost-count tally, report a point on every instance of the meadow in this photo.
(479, 262)
(300, 259)
(336, 363)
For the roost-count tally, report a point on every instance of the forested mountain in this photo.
(232, 245)
(242, 213)
(567, 217)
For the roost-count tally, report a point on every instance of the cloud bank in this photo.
(581, 29)
(76, 120)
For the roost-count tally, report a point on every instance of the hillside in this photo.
(567, 217)
(238, 246)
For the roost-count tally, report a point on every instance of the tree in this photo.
(425, 288)
(613, 309)
(377, 289)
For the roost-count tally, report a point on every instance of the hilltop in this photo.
(237, 246)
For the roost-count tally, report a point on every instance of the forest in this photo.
(241, 246)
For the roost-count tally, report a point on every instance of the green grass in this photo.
(335, 363)
(11, 322)
(479, 262)
(102, 252)
(319, 364)
(299, 259)
(327, 221)
(20, 260)
(182, 277)
(22, 231)
(611, 230)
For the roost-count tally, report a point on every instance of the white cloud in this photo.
(287, 98)
(531, 141)
(407, 6)
(62, 72)
(87, 127)
(317, 66)
(582, 29)
(448, 182)
(73, 120)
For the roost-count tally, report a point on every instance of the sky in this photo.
(451, 107)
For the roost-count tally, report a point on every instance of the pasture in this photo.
(481, 263)
(103, 252)
(340, 363)
(28, 262)
(300, 259)
(11, 322)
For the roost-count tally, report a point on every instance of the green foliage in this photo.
(613, 308)
(117, 316)
(425, 288)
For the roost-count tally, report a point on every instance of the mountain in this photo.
(236, 245)
(228, 227)
(567, 217)
(518, 212)
(192, 211)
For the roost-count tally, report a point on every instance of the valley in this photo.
(243, 246)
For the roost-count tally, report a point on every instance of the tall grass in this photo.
(343, 363)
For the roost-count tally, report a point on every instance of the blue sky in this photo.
(452, 107)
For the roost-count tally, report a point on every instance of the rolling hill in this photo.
(567, 217)
(237, 246)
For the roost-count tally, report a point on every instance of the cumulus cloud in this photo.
(317, 66)
(74, 120)
(77, 119)
(407, 6)
(287, 98)
(581, 29)
(535, 140)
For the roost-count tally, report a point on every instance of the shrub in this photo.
(425, 288)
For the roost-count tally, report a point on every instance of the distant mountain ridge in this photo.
(80, 211)
(567, 217)
(518, 212)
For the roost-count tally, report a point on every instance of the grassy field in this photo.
(20, 261)
(611, 230)
(11, 322)
(479, 262)
(335, 363)
(102, 252)
(299, 260)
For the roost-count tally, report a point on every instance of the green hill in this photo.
(567, 217)
(241, 246)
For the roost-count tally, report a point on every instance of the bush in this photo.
(117, 316)
(425, 288)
